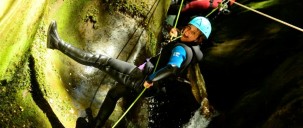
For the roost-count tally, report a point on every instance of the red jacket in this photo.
(198, 5)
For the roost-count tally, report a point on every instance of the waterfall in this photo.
(198, 121)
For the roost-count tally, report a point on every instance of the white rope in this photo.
(270, 17)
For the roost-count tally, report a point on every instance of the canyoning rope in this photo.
(268, 16)
(138, 97)
(142, 92)
(223, 5)
(124, 48)
(143, 29)
(177, 18)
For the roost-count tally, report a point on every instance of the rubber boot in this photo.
(89, 116)
(83, 57)
(123, 72)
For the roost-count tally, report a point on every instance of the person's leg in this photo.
(123, 72)
(109, 103)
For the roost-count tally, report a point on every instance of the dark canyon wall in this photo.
(254, 67)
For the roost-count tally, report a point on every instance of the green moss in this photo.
(68, 18)
(152, 45)
(16, 37)
(92, 16)
(130, 7)
(17, 107)
(48, 79)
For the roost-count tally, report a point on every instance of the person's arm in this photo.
(174, 33)
(175, 61)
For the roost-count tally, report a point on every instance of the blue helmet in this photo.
(202, 24)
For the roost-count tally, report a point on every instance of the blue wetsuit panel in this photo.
(177, 57)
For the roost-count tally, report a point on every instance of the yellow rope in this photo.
(270, 17)
(211, 11)
(129, 108)
(180, 8)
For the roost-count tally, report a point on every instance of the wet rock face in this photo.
(112, 33)
(116, 35)
(253, 72)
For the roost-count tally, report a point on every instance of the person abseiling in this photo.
(175, 58)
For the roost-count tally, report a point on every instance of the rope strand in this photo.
(180, 8)
(268, 16)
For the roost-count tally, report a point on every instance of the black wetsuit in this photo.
(129, 76)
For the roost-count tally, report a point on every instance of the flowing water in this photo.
(197, 121)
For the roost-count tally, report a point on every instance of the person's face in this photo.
(190, 33)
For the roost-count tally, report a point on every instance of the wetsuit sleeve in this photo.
(177, 57)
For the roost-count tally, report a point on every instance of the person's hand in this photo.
(173, 33)
(147, 84)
